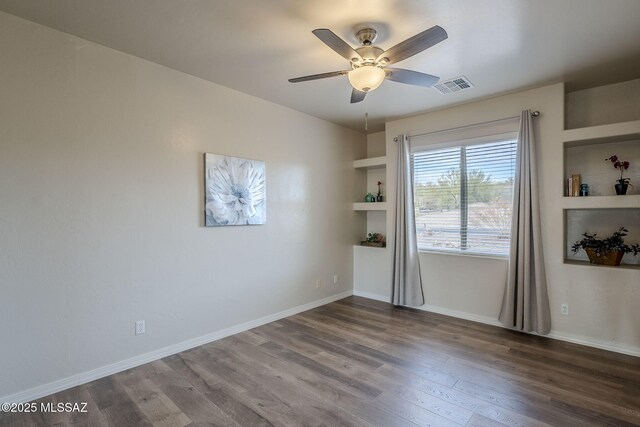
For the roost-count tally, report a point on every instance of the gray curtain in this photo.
(407, 282)
(525, 305)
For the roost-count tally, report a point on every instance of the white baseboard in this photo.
(85, 377)
(434, 309)
(369, 295)
(591, 342)
(461, 315)
(576, 339)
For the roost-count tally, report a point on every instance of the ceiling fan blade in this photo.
(411, 77)
(337, 44)
(413, 45)
(319, 76)
(357, 96)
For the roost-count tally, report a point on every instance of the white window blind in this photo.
(463, 197)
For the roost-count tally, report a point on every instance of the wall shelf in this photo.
(600, 134)
(371, 206)
(588, 264)
(602, 202)
(370, 247)
(371, 163)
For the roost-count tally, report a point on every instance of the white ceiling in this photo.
(254, 46)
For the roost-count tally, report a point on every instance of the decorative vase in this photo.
(607, 258)
(379, 198)
(369, 198)
(621, 188)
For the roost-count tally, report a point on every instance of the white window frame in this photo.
(446, 141)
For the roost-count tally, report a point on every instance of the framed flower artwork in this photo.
(235, 191)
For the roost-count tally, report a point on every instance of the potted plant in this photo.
(622, 183)
(375, 240)
(608, 251)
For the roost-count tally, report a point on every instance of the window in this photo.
(463, 196)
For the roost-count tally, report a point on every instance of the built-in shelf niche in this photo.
(374, 168)
(587, 158)
(600, 122)
(613, 103)
(604, 222)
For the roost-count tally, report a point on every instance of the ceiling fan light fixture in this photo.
(366, 78)
(368, 61)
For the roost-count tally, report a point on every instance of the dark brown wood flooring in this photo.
(358, 362)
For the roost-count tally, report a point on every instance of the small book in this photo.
(575, 185)
(570, 187)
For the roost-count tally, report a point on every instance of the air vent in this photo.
(453, 85)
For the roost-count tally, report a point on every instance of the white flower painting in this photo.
(235, 191)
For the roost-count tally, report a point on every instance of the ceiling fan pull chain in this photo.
(366, 115)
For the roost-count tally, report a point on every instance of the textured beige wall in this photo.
(101, 158)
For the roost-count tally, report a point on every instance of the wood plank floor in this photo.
(358, 362)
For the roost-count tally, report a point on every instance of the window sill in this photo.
(460, 254)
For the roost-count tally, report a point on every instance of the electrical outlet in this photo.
(564, 309)
(140, 327)
(335, 279)
(318, 284)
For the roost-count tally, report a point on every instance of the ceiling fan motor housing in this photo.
(367, 36)
(369, 54)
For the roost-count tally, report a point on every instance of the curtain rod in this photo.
(533, 114)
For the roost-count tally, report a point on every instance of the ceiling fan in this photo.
(369, 62)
